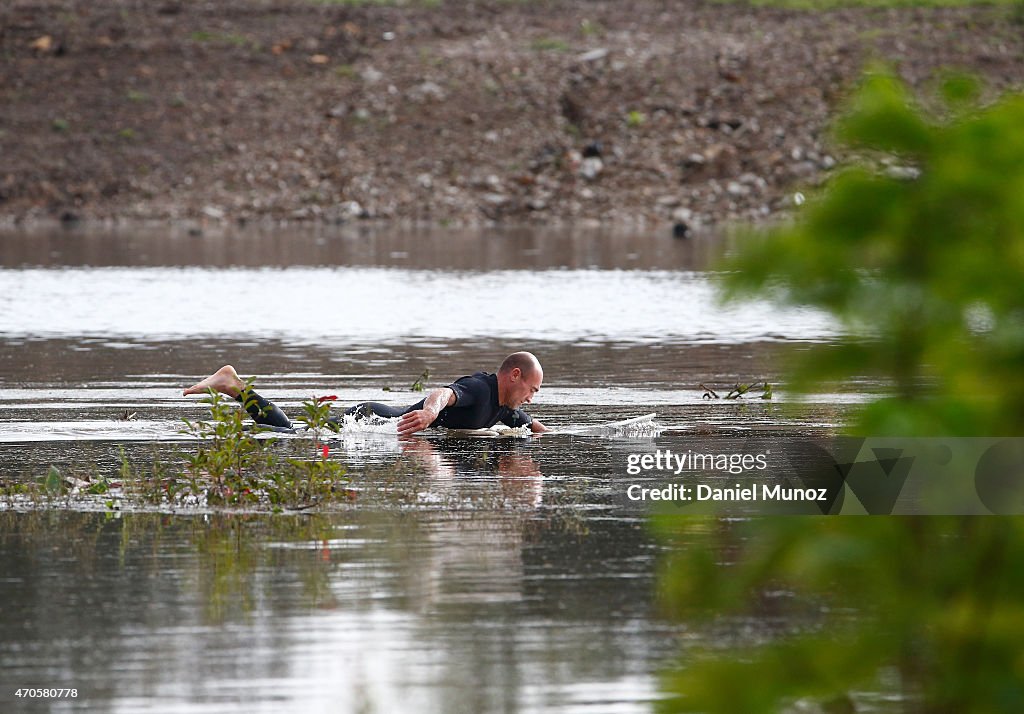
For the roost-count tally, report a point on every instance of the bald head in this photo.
(519, 378)
(525, 362)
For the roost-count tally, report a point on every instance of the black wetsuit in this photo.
(476, 407)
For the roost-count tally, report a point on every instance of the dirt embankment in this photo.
(465, 112)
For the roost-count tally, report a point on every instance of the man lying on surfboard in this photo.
(478, 401)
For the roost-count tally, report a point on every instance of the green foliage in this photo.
(234, 467)
(589, 28)
(919, 254)
(635, 119)
(875, 607)
(550, 44)
(418, 385)
(738, 391)
(53, 489)
(222, 38)
(295, 473)
(316, 415)
(316, 478)
(231, 463)
(345, 71)
(53, 483)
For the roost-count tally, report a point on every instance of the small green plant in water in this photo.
(53, 482)
(738, 391)
(418, 385)
(235, 466)
(318, 475)
(230, 464)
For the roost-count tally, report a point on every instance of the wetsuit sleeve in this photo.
(469, 391)
(516, 418)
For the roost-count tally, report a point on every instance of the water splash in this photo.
(643, 427)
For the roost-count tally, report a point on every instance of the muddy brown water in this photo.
(506, 576)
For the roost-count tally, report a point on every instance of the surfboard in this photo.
(491, 432)
(474, 432)
(644, 422)
(642, 425)
(613, 427)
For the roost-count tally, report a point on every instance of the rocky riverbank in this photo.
(453, 112)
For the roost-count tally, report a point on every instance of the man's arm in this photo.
(536, 427)
(422, 418)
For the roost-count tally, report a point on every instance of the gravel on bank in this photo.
(469, 113)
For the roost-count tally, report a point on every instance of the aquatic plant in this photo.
(230, 462)
(418, 385)
(738, 390)
(236, 464)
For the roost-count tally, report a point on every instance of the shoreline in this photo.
(462, 114)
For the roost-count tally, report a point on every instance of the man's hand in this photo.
(414, 421)
(536, 427)
(422, 418)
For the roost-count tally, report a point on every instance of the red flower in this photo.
(324, 450)
(330, 398)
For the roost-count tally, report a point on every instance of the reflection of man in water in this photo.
(478, 401)
(460, 463)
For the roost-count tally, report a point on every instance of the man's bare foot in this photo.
(225, 380)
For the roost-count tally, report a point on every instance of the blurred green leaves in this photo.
(918, 252)
(924, 610)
